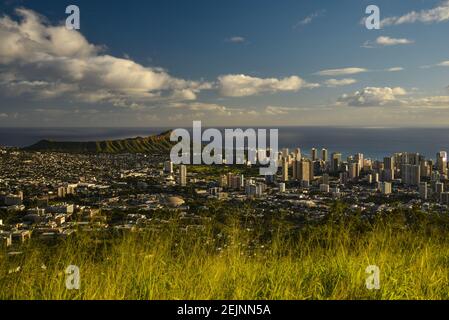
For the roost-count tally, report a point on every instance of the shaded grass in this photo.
(321, 261)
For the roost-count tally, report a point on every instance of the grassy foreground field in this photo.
(242, 260)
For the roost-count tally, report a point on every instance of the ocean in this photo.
(374, 143)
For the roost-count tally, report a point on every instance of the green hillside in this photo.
(153, 144)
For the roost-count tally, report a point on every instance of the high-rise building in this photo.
(281, 187)
(71, 189)
(284, 169)
(229, 178)
(324, 155)
(223, 181)
(343, 177)
(388, 168)
(297, 154)
(360, 160)
(367, 165)
(325, 178)
(336, 160)
(435, 176)
(411, 174)
(314, 154)
(168, 167)
(295, 169)
(407, 158)
(260, 189)
(426, 169)
(387, 175)
(304, 170)
(311, 170)
(385, 187)
(442, 162)
(235, 181)
(423, 190)
(250, 190)
(255, 189)
(378, 166)
(353, 170)
(183, 175)
(61, 192)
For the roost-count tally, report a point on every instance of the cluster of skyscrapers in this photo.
(408, 169)
(182, 173)
(403, 169)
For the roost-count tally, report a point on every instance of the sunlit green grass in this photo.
(325, 261)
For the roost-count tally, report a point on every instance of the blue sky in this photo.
(255, 62)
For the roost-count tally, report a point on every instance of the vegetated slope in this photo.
(153, 144)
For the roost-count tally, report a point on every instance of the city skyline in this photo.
(240, 64)
(222, 155)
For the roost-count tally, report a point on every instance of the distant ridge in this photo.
(155, 144)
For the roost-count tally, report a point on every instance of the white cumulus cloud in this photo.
(309, 19)
(275, 111)
(395, 69)
(236, 39)
(339, 82)
(341, 72)
(240, 85)
(48, 61)
(385, 41)
(373, 97)
(438, 14)
(386, 96)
